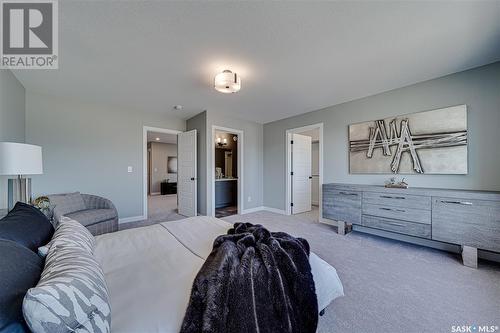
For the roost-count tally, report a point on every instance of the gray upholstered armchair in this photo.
(97, 214)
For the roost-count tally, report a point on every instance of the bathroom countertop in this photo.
(224, 179)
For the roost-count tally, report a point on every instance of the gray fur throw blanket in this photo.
(254, 281)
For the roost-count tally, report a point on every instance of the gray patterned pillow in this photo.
(71, 295)
(69, 233)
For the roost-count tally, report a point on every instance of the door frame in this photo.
(211, 166)
(288, 166)
(145, 130)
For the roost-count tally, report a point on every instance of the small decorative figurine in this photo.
(393, 184)
(43, 203)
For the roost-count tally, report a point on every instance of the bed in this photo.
(149, 272)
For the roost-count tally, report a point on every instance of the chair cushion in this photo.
(67, 203)
(27, 226)
(92, 216)
(20, 270)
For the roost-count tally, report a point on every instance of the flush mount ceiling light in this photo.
(227, 82)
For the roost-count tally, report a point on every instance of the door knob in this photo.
(310, 177)
(192, 178)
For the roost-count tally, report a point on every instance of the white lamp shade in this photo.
(20, 159)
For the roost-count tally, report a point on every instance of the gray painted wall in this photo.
(12, 115)
(159, 157)
(12, 118)
(199, 123)
(479, 88)
(88, 147)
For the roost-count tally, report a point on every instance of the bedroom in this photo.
(395, 89)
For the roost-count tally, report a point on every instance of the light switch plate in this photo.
(129, 169)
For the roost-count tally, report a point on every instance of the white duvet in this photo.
(149, 272)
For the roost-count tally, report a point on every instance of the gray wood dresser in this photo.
(470, 219)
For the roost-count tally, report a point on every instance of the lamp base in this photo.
(19, 189)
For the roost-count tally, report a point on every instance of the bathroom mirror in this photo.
(225, 159)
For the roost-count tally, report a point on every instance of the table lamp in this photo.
(19, 159)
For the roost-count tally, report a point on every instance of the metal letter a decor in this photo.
(430, 142)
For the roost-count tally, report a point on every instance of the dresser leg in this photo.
(343, 227)
(469, 256)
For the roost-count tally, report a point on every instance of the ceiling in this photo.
(164, 137)
(293, 57)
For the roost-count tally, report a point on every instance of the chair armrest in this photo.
(97, 202)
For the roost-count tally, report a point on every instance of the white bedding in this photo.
(149, 272)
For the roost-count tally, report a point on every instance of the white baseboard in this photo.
(132, 219)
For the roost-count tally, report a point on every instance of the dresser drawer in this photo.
(474, 223)
(397, 200)
(342, 205)
(402, 227)
(407, 214)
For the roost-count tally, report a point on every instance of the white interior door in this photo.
(301, 173)
(186, 173)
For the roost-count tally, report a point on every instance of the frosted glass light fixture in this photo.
(227, 82)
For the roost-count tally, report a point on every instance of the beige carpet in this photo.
(161, 208)
(393, 287)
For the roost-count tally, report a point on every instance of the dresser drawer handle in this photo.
(465, 203)
(392, 209)
(346, 193)
(391, 197)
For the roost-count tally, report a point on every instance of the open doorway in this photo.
(227, 150)
(160, 153)
(304, 151)
(162, 176)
